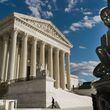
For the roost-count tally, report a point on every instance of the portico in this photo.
(28, 43)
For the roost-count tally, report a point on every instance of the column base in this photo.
(20, 79)
(32, 77)
(68, 87)
(11, 81)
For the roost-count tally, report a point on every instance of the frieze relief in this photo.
(45, 27)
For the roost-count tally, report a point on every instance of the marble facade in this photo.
(28, 43)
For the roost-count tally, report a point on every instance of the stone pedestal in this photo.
(33, 93)
(101, 99)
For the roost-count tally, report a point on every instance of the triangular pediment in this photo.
(45, 26)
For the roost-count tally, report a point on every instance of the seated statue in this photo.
(103, 68)
(101, 100)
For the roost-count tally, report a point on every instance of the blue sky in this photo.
(78, 20)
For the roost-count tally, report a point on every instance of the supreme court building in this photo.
(28, 43)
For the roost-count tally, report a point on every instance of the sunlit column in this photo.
(42, 54)
(23, 60)
(33, 58)
(17, 60)
(16, 56)
(12, 53)
(18, 66)
(6, 70)
(4, 55)
(56, 66)
(50, 61)
(62, 70)
(68, 70)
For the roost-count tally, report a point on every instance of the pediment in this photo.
(45, 26)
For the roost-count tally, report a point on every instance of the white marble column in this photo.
(6, 70)
(18, 66)
(68, 70)
(42, 55)
(23, 60)
(50, 61)
(62, 70)
(56, 67)
(17, 59)
(12, 53)
(33, 58)
(4, 55)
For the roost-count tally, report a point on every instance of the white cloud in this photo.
(82, 80)
(83, 68)
(87, 22)
(66, 31)
(36, 6)
(47, 14)
(90, 22)
(76, 26)
(97, 19)
(86, 74)
(67, 9)
(82, 47)
(87, 13)
(49, 7)
(1, 1)
(35, 11)
(71, 4)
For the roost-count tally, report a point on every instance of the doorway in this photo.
(28, 73)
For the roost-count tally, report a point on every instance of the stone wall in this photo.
(28, 94)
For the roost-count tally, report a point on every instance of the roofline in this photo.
(15, 14)
(43, 20)
(31, 17)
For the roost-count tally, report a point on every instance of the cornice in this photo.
(30, 17)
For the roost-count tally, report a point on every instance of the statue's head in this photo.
(105, 16)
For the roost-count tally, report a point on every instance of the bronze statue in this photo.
(103, 51)
(101, 100)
